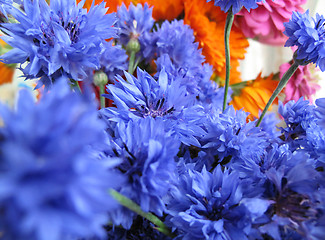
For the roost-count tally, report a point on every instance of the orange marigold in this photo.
(167, 9)
(208, 23)
(6, 72)
(112, 4)
(254, 96)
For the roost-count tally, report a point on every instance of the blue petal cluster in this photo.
(163, 98)
(291, 182)
(212, 206)
(113, 60)
(147, 151)
(4, 4)
(236, 5)
(58, 41)
(320, 112)
(54, 183)
(231, 141)
(177, 40)
(135, 23)
(308, 34)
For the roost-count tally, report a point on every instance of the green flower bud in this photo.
(133, 45)
(100, 78)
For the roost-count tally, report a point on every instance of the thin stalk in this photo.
(131, 62)
(102, 99)
(75, 85)
(284, 80)
(229, 22)
(126, 202)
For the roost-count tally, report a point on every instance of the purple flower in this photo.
(147, 151)
(236, 5)
(320, 112)
(177, 40)
(307, 34)
(58, 41)
(54, 179)
(135, 23)
(163, 98)
(292, 183)
(207, 205)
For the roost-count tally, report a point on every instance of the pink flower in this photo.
(265, 23)
(301, 84)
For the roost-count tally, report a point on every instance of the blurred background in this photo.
(267, 59)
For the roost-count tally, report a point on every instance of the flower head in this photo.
(252, 96)
(163, 98)
(113, 60)
(320, 112)
(293, 185)
(177, 40)
(147, 149)
(265, 23)
(235, 5)
(207, 22)
(135, 23)
(111, 4)
(165, 10)
(53, 177)
(59, 41)
(308, 34)
(208, 205)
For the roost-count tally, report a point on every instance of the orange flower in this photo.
(254, 96)
(112, 4)
(208, 23)
(166, 9)
(6, 72)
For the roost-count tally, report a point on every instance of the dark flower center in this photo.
(156, 110)
(72, 27)
(296, 206)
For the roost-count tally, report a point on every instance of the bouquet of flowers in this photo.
(144, 129)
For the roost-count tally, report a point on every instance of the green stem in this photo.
(126, 202)
(102, 99)
(75, 85)
(229, 21)
(131, 62)
(284, 80)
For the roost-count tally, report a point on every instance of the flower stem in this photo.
(229, 21)
(75, 85)
(131, 62)
(284, 80)
(102, 99)
(126, 202)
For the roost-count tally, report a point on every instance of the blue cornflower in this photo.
(177, 40)
(4, 4)
(236, 5)
(298, 116)
(308, 34)
(163, 98)
(54, 183)
(58, 41)
(320, 112)
(212, 206)
(231, 141)
(147, 149)
(135, 23)
(291, 181)
(113, 60)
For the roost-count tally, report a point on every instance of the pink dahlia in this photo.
(265, 23)
(303, 83)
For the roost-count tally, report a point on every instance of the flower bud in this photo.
(133, 45)
(100, 78)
